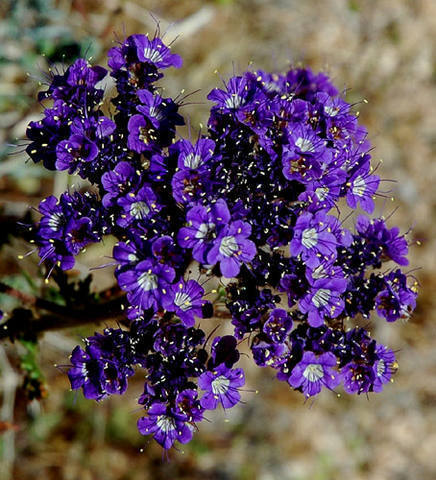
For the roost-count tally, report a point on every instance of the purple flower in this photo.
(139, 207)
(70, 153)
(361, 188)
(269, 354)
(302, 82)
(384, 367)
(240, 91)
(142, 135)
(53, 221)
(323, 300)
(189, 186)
(118, 182)
(55, 253)
(67, 226)
(232, 248)
(167, 251)
(312, 373)
(159, 111)
(155, 52)
(188, 406)
(313, 240)
(131, 252)
(79, 233)
(201, 232)
(278, 325)
(323, 193)
(397, 299)
(187, 301)
(82, 73)
(86, 373)
(223, 350)
(165, 426)
(304, 155)
(195, 157)
(147, 284)
(358, 377)
(76, 85)
(385, 243)
(221, 386)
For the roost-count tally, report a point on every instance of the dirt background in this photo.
(381, 51)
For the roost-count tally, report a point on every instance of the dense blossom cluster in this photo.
(251, 204)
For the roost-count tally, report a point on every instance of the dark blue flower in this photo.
(147, 284)
(165, 426)
(313, 372)
(221, 386)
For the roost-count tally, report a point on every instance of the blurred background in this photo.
(381, 51)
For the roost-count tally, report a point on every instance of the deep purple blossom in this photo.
(142, 134)
(201, 232)
(323, 300)
(358, 377)
(118, 181)
(221, 386)
(232, 248)
(278, 325)
(304, 155)
(384, 367)
(282, 155)
(195, 157)
(267, 354)
(397, 299)
(154, 51)
(312, 373)
(76, 149)
(138, 207)
(388, 242)
(147, 284)
(362, 186)
(165, 426)
(187, 301)
(86, 373)
(239, 93)
(188, 406)
(313, 240)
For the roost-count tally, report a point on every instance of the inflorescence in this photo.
(247, 214)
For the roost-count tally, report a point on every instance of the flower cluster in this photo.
(253, 204)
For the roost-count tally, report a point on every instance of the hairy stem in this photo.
(58, 316)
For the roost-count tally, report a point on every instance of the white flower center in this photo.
(331, 111)
(183, 301)
(322, 192)
(309, 237)
(152, 54)
(381, 368)
(204, 229)
(55, 220)
(321, 297)
(147, 281)
(156, 113)
(131, 257)
(304, 144)
(313, 372)
(234, 101)
(319, 272)
(192, 161)
(229, 246)
(359, 186)
(220, 385)
(165, 423)
(139, 210)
